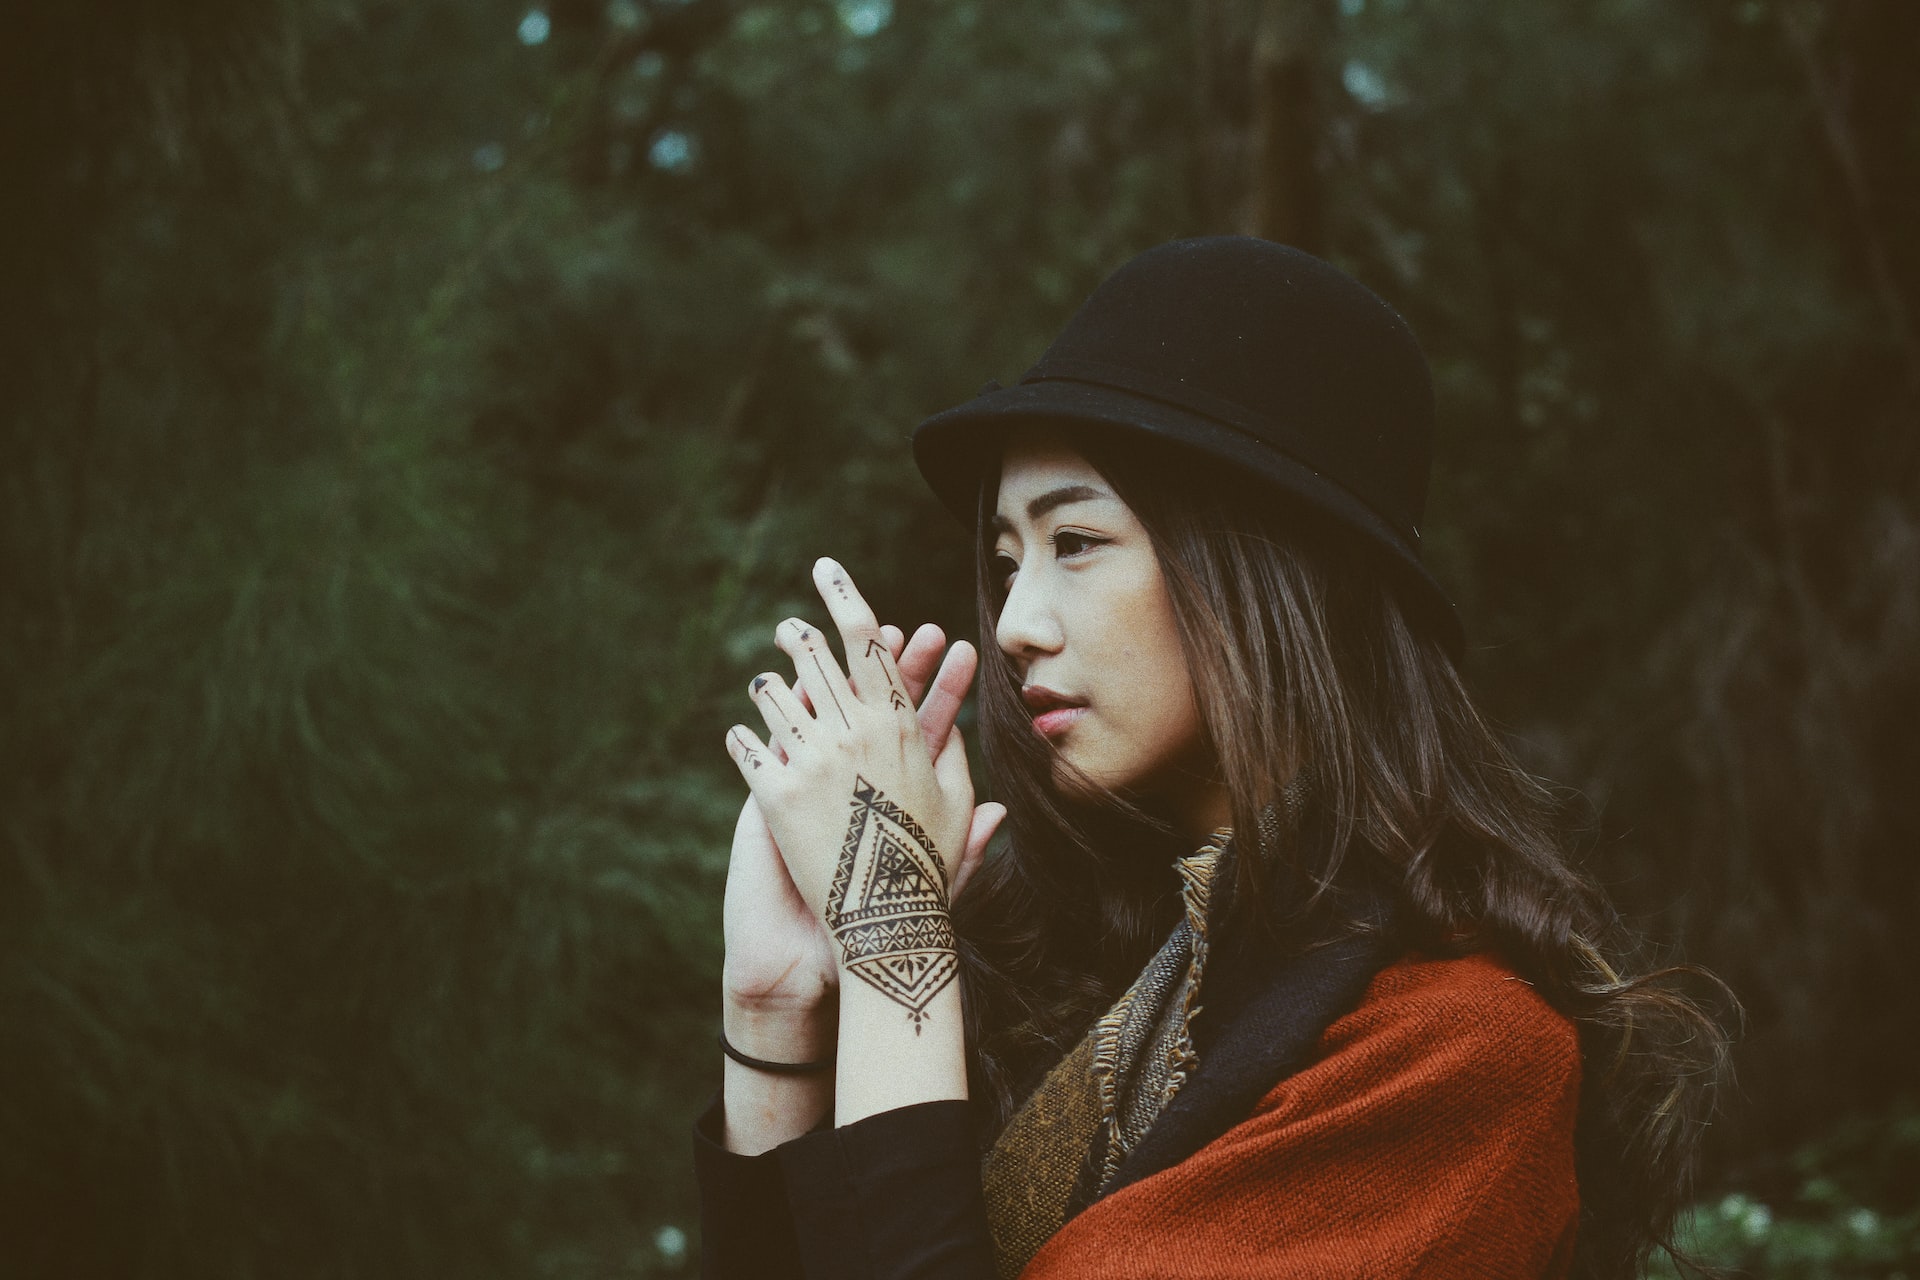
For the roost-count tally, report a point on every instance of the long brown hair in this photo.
(1302, 654)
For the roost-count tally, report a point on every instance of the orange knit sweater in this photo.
(1431, 1137)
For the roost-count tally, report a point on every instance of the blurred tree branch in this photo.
(1831, 82)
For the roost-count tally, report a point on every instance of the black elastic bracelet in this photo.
(777, 1068)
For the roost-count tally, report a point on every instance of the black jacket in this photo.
(898, 1194)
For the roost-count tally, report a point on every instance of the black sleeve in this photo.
(895, 1196)
(746, 1229)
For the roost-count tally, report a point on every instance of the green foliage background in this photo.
(416, 416)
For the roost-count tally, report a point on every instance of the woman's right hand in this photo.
(779, 956)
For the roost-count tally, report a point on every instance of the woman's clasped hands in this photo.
(862, 819)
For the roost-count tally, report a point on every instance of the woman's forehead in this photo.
(1038, 458)
(1041, 476)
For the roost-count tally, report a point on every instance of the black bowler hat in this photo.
(1255, 354)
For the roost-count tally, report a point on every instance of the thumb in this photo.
(986, 820)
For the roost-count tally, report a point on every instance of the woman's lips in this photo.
(1051, 724)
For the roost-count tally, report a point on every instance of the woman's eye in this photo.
(1068, 543)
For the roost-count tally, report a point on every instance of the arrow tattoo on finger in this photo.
(895, 699)
(753, 757)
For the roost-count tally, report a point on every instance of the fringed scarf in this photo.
(1065, 1146)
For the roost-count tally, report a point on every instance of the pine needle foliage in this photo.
(417, 417)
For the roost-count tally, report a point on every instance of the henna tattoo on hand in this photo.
(895, 699)
(752, 756)
(828, 686)
(887, 905)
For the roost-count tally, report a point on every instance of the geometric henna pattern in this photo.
(888, 904)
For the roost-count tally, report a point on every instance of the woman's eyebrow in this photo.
(1052, 498)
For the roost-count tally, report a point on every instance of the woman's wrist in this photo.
(763, 1109)
(781, 1031)
(901, 1038)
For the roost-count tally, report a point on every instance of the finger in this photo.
(950, 767)
(943, 701)
(750, 755)
(918, 659)
(787, 723)
(817, 671)
(915, 661)
(751, 822)
(870, 667)
(892, 636)
(756, 855)
(986, 820)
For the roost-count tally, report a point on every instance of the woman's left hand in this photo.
(869, 821)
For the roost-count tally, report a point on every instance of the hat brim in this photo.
(955, 448)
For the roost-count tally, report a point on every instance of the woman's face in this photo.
(1088, 624)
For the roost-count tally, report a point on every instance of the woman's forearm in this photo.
(891, 1056)
(764, 1109)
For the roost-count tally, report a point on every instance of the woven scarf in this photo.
(1063, 1147)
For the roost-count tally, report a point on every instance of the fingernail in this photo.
(759, 683)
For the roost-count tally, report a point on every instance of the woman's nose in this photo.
(1028, 622)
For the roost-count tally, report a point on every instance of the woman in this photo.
(1384, 1033)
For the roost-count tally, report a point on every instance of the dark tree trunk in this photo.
(1287, 203)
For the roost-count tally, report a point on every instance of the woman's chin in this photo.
(1070, 777)
(1076, 775)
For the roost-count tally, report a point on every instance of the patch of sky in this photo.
(864, 18)
(672, 151)
(649, 64)
(1353, 8)
(1365, 84)
(534, 28)
(671, 1244)
(624, 15)
(489, 157)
